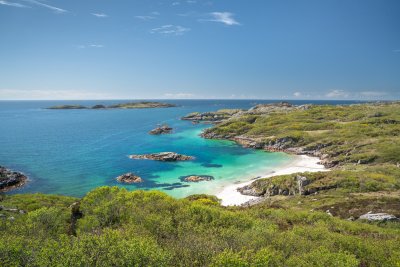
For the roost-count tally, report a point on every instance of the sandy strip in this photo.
(302, 163)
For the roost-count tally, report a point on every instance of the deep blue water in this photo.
(72, 151)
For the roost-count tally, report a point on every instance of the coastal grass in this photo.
(364, 133)
(122, 228)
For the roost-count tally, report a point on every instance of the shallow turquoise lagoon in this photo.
(73, 151)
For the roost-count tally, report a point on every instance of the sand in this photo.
(301, 163)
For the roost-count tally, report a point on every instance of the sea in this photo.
(71, 152)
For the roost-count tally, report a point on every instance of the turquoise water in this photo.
(73, 151)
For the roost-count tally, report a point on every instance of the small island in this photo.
(163, 129)
(129, 178)
(11, 179)
(129, 105)
(163, 156)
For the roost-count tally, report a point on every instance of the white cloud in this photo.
(337, 94)
(155, 13)
(97, 45)
(175, 3)
(14, 94)
(297, 94)
(396, 51)
(170, 30)
(191, 1)
(179, 95)
(99, 15)
(89, 46)
(7, 3)
(145, 17)
(55, 9)
(223, 17)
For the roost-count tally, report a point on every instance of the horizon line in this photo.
(231, 99)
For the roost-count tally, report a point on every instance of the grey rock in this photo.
(163, 156)
(377, 217)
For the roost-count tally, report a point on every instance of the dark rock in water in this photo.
(196, 178)
(129, 178)
(211, 165)
(10, 179)
(163, 156)
(98, 107)
(164, 129)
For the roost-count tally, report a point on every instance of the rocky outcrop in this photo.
(196, 178)
(289, 186)
(10, 179)
(163, 129)
(14, 210)
(276, 107)
(213, 117)
(163, 156)
(377, 217)
(129, 178)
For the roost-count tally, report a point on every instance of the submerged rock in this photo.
(163, 156)
(377, 217)
(211, 165)
(196, 178)
(10, 179)
(164, 129)
(129, 178)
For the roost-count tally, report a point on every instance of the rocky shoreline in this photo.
(11, 179)
(285, 144)
(276, 145)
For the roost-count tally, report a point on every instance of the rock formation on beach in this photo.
(129, 178)
(196, 178)
(10, 179)
(163, 156)
(163, 129)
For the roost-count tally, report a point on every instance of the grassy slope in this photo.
(121, 228)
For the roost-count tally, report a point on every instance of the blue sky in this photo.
(259, 49)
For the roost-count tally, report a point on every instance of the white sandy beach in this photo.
(302, 163)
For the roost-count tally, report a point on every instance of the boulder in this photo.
(377, 217)
(129, 178)
(163, 156)
(10, 179)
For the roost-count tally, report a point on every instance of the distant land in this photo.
(129, 105)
